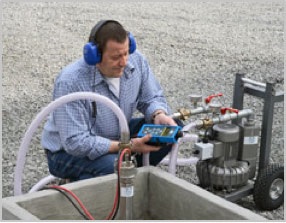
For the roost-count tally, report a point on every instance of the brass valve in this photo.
(207, 123)
(184, 113)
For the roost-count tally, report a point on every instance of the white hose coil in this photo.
(47, 110)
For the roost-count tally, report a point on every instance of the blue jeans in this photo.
(66, 166)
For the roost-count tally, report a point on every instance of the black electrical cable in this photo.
(70, 199)
(118, 193)
(93, 115)
(209, 134)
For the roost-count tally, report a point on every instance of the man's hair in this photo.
(111, 30)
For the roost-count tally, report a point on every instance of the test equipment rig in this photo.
(230, 143)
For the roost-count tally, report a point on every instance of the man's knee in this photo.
(104, 165)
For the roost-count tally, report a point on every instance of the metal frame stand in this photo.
(268, 94)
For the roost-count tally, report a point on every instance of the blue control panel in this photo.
(161, 133)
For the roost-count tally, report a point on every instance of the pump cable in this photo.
(70, 199)
(75, 197)
(86, 214)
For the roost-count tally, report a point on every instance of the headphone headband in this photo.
(92, 54)
(97, 27)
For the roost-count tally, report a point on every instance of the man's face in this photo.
(114, 58)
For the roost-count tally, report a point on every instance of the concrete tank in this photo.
(158, 196)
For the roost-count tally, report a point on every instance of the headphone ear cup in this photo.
(132, 43)
(91, 54)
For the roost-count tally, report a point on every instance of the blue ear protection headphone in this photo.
(92, 54)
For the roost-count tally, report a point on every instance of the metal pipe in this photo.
(127, 175)
(199, 110)
(222, 118)
(246, 80)
(232, 116)
(184, 114)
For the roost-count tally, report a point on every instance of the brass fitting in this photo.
(185, 113)
(207, 123)
(124, 145)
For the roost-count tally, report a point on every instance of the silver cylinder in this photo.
(226, 132)
(127, 175)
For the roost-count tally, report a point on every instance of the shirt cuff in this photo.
(151, 111)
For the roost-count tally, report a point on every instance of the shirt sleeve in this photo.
(72, 122)
(151, 97)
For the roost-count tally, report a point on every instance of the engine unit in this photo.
(228, 158)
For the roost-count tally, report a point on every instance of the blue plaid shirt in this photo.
(73, 127)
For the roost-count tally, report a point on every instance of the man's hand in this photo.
(163, 119)
(139, 145)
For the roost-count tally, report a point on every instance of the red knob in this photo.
(223, 110)
(209, 98)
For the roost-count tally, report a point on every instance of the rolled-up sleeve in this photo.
(72, 122)
(151, 96)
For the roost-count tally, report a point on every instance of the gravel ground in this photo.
(192, 48)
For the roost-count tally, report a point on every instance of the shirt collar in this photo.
(98, 78)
